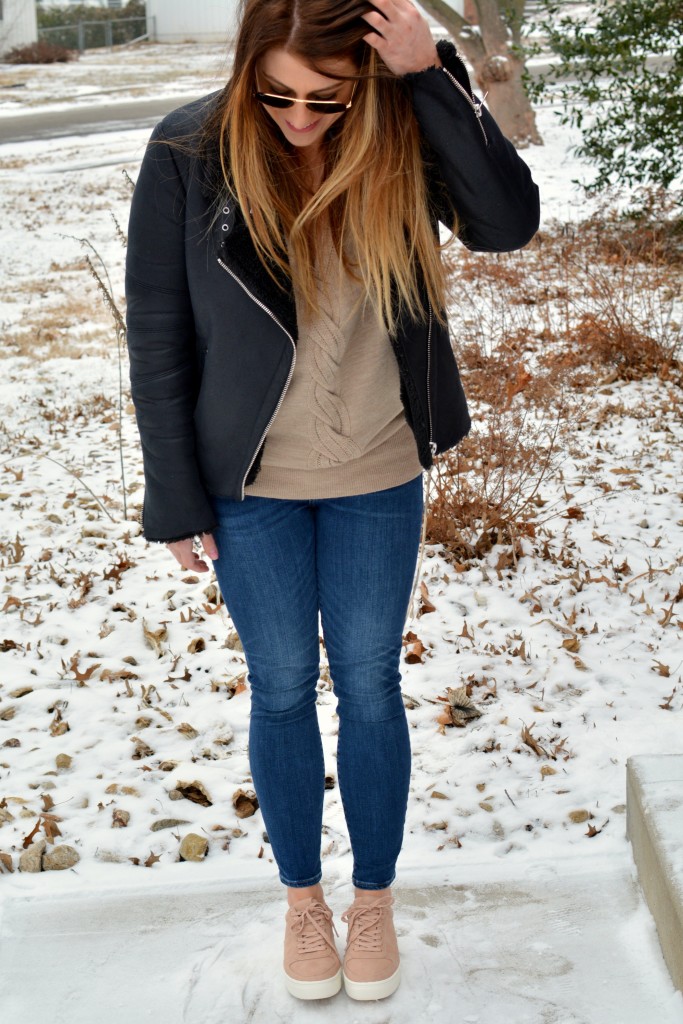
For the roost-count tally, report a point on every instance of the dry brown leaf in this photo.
(194, 791)
(415, 649)
(188, 730)
(531, 741)
(245, 803)
(154, 638)
(50, 826)
(461, 709)
(110, 674)
(666, 706)
(514, 387)
(425, 604)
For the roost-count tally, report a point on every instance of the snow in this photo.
(511, 910)
(549, 944)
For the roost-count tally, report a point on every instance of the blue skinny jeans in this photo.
(352, 559)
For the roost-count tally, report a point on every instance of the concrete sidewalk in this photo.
(563, 945)
(114, 115)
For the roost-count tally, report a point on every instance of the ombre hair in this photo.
(374, 188)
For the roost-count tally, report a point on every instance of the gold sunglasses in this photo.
(272, 99)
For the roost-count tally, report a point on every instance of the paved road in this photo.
(105, 117)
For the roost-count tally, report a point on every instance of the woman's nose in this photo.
(300, 116)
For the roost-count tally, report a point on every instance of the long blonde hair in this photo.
(374, 189)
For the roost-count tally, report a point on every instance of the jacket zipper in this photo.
(476, 106)
(432, 443)
(291, 368)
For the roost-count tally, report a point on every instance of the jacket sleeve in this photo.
(161, 347)
(473, 165)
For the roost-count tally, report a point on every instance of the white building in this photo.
(18, 25)
(204, 21)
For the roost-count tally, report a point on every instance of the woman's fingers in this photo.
(401, 36)
(188, 559)
(209, 545)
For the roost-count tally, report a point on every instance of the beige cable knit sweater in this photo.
(341, 428)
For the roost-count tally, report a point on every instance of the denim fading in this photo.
(283, 566)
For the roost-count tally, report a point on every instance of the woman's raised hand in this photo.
(402, 37)
(182, 551)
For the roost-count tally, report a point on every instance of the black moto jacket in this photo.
(212, 339)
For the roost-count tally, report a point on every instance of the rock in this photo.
(60, 857)
(193, 847)
(120, 818)
(63, 760)
(5, 815)
(163, 823)
(579, 816)
(31, 859)
(12, 742)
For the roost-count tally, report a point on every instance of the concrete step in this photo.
(562, 941)
(654, 824)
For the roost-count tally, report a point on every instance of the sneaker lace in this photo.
(310, 934)
(365, 923)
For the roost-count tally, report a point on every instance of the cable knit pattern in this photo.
(330, 426)
(341, 427)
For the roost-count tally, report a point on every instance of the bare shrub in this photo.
(487, 489)
(539, 331)
(41, 52)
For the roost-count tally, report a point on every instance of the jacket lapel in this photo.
(234, 246)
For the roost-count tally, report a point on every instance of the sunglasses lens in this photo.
(274, 101)
(326, 108)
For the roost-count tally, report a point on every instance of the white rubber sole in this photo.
(373, 989)
(322, 989)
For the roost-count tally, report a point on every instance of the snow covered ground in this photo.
(103, 74)
(127, 667)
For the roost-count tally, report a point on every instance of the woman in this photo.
(293, 377)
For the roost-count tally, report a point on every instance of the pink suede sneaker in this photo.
(371, 967)
(312, 964)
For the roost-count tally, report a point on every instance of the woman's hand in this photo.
(182, 551)
(402, 37)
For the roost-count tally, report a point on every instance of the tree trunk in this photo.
(497, 72)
